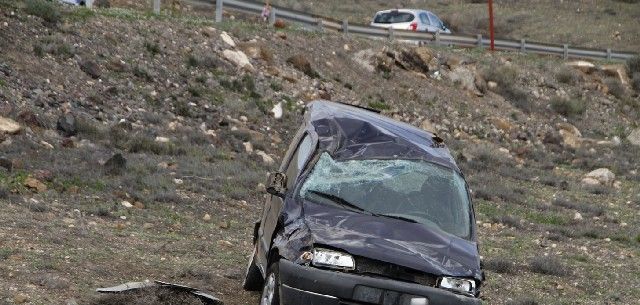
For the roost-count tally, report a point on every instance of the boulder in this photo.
(35, 184)
(9, 126)
(67, 125)
(91, 68)
(238, 58)
(582, 65)
(268, 160)
(363, 58)
(634, 137)
(428, 126)
(465, 77)
(604, 176)
(419, 59)
(571, 136)
(227, 39)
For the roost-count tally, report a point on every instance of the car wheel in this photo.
(271, 288)
(252, 277)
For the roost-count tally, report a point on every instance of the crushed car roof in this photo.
(349, 133)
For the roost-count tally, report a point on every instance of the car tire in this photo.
(252, 277)
(271, 288)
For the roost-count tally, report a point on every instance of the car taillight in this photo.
(413, 26)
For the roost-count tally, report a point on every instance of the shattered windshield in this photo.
(410, 190)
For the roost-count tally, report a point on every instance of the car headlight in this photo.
(331, 259)
(458, 285)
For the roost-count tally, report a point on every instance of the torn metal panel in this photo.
(203, 296)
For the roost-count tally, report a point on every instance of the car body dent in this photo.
(348, 133)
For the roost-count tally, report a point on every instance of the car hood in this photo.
(403, 243)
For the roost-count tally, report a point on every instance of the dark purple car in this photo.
(365, 210)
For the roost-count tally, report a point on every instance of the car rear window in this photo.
(393, 17)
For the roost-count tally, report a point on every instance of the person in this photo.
(266, 11)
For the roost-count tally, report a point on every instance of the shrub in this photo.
(566, 75)
(524, 301)
(46, 10)
(568, 107)
(633, 64)
(500, 265)
(506, 77)
(548, 266)
(615, 87)
(635, 81)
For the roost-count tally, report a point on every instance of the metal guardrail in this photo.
(323, 23)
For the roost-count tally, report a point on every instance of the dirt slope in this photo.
(192, 124)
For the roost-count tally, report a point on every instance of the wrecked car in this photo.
(365, 210)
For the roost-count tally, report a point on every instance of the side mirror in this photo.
(277, 184)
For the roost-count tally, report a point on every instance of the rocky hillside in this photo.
(135, 147)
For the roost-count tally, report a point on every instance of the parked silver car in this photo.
(411, 20)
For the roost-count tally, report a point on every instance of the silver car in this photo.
(410, 20)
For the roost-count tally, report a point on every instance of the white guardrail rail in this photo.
(321, 23)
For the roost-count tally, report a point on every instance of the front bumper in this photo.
(313, 286)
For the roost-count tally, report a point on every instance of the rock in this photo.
(227, 39)
(251, 49)
(418, 59)
(225, 243)
(91, 68)
(206, 217)
(603, 175)
(302, 64)
(455, 60)
(9, 126)
(571, 136)
(363, 58)
(225, 224)
(502, 124)
(427, 125)
(67, 125)
(162, 140)
(115, 165)
(35, 184)
(577, 216)
(491, 85)
(126, 204)
(465, 77)
(634, 137)
(248, 147)
(117, 65)
(582, 65)
(238, 58)
(209, 31)
(20, 298)
(268, 160)
(43, 175)
(277, 110)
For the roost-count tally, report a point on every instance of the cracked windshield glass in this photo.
(410, 190)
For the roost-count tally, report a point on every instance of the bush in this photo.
(500, 265)
(566, 75)
(568, 107)
(615, 87)
(505, 77)
(44, 9)
(635, 81)
(548, 266)
(524, 301)
(633, 64)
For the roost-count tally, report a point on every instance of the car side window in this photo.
(435, 20)
(424, 19)
(298, 159)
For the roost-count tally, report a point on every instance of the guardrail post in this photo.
(523, 46)
(89, 4)
(609, 54)
(272, 17)
(156, 7)
(320, 25)
(565, 54)
(219, 10)
(479, 43)
(390, 33)
(438, 38)
(345, 27)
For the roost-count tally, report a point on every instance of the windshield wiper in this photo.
(407, 219)
(339, 201)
